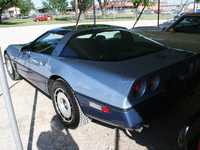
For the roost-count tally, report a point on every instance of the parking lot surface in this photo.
(40, 128)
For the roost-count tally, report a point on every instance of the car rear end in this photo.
(129, 79)
(154, 89)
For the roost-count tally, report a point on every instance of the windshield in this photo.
(110, 45)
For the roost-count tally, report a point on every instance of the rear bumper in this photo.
(142, 113)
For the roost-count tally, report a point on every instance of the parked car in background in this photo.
(182, 34)
(156, 11)
(19, 16)
(179, 16)
(166, 13)
(104, 72)
(25, 17)
(148, 12)
(43, 17)
(4, 17)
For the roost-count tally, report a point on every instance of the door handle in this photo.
(42, 63)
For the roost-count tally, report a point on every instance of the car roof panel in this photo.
(86, 27)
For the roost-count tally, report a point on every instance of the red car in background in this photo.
(156, 11)
(43, 17)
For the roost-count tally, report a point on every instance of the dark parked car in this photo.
(182, 34)
(148, 12)
(104, 72)
(179, 16)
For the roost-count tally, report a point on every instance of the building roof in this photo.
(13, 9)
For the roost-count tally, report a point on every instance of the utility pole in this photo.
(158, 12)
(194, 5)
(94, 16)
(181, 5)
(76, 11)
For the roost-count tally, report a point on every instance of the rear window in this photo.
(111, 45)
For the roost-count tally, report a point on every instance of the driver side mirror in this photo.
(25, 49)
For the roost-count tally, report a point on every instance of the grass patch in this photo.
(88, 18)
(27, 22)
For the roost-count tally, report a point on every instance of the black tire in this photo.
(10, 69)
(67, 106)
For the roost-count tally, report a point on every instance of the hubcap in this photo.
(63, 105)
(9, 67)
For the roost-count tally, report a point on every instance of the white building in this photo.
(12, 11)
(190, 7)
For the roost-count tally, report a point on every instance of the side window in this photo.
(86, 36)
(108, 35)
(68, 52)
(46, 43)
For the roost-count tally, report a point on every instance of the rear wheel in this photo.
(10, 69)
(67, 106)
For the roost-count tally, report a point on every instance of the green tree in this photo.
(5, 4)
(148, 3)
(103, 6)
(52, 5)
(83, 5)
(25, 6)
(145, 3)
(73, 5)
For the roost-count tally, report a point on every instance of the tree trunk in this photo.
(136, 13)
(82, 17)
(0, 16)
(103, 11)
(102, 8)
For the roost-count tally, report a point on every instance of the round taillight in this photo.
(151, 82)
(136, 88)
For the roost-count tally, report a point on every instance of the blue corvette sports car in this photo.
(104, 72)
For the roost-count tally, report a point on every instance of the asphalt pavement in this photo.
(40, 128)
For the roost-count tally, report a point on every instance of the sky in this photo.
(38, 3)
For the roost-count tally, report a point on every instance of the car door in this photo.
(22, 68)
(39, 69)
(37, 58)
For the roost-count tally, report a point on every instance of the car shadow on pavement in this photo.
(58, 138)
